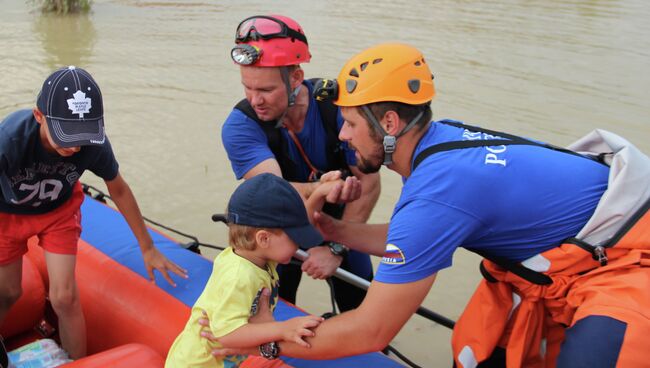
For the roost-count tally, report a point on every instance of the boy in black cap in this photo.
(43, 153)
(267, 223)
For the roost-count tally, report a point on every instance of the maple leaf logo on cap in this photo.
(79, 104)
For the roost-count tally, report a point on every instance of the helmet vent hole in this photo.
(423, 62)
(350, 85)
(414, 85)
(354, 72)
(377, 61)
(418, 63)
(364, 66)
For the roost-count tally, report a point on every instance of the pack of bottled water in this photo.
(44, 353)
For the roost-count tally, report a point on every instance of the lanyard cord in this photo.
(314, 170)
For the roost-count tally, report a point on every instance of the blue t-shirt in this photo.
(35, 181)
(511, 201)
(247, 145)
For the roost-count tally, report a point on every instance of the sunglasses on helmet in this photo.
(263, 27)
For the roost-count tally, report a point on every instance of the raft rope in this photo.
(193, 245)
(358, 282)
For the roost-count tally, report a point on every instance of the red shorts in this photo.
(57, 231)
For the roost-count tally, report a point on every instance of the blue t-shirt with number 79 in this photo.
(35, 181)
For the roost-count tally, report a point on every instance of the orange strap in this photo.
(314, 170)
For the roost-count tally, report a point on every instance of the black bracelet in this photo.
(270, 350)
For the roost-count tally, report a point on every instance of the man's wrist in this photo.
(270, 350)
(313, 186)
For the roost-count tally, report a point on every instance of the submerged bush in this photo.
(64, 6)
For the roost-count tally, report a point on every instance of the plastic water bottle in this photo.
(43, 353)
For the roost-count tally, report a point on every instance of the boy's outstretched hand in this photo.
(297, 328)
(154, 260)
(347, 191)
(123, 198)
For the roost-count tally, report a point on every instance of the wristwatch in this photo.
(270, 350)
(338, 249)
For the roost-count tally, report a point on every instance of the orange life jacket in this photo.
(528, 319)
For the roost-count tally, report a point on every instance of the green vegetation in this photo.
(63, 6)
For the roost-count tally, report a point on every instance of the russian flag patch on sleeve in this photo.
(393, 255)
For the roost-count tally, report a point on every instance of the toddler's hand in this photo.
(296, 329)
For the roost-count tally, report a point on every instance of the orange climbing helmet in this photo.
(273, 40)
(387, 72)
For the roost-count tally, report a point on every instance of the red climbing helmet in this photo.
(273, 40)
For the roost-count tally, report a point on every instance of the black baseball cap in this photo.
(72, 104)
(267, 200)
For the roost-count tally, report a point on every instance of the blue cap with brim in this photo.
(267, 200)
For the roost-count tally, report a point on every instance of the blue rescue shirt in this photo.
(247, 145)
(35, 181)
(509, 201)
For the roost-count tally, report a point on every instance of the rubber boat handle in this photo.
(362, 283)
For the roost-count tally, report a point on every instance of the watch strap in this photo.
(270, 350)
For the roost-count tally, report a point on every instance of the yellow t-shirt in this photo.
(230, 294)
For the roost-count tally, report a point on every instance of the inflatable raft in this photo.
(131, 322)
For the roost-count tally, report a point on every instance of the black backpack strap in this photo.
(511, 137)
(514, 267)
(510, 141)
(335, 154)
(329, 114)
(274, 138)
(448, 146)
(272, 133)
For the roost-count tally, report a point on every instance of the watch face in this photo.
(337, 249)
(270, 350)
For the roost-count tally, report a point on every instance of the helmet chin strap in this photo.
(389, 141)
(291, 95)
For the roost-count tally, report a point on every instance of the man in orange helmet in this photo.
(566, 239)
(280, 128)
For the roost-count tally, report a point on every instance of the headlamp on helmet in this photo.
(244, 54)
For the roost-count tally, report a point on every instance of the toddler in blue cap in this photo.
(267, 223)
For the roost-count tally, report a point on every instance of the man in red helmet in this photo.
(280, 128)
